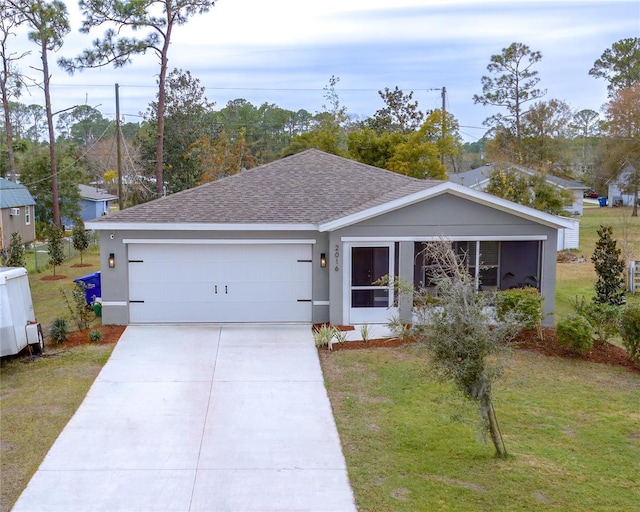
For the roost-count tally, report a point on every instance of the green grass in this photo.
(578, 279)
(572, 430)
(47, 299)
(37, 398)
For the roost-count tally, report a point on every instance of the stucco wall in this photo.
(443, 215)
(114, 281)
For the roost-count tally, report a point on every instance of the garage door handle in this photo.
(225, 289)
(216, 287)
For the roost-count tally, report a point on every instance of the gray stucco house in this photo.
(16, 213)
(303, 239)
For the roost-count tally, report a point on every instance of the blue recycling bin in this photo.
(91, 286)
(602, 201)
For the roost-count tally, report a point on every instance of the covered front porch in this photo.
(496, 264)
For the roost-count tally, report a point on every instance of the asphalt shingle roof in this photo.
(13, 194)
(307, 188)
(95, 194)
(481, 174)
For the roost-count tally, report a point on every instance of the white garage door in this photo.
(219, 283)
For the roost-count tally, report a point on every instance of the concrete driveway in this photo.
(200, 418)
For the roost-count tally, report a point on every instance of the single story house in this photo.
(94, 202)
(619, 193)
(305, 239)
(16, 213)
(568, 238)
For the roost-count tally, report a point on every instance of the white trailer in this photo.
(18, 326)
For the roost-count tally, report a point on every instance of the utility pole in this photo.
(118, 151)
(444, 121)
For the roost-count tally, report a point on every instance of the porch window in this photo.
(496, 265)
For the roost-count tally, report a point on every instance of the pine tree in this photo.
(56, 251)
(609, 267)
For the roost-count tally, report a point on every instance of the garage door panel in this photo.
(254, 282)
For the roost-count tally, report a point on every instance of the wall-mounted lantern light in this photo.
(323, 260)
(112, 260)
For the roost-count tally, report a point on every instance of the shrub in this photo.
(523, 303)
(59, 331)
(15, 252)
(604, 318)
(609, 267)
(81, 314)
(365, 333)
(630, 330)
(95, 335)
(323, 336)
(575, 330)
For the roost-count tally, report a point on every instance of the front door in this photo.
(371, 301)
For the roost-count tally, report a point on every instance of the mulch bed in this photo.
(52, 278)
(603, 353)
(81, 265)
(110, 334)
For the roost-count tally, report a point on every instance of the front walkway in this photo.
(200, 418)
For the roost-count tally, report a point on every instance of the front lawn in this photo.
(572, 429)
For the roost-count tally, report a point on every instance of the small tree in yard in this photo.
(609, 268)
(56, 251)
(462, 338)
(15, 252)
(80, 237)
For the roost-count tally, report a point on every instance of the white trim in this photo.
(222, 241)
(187, 226)
(110, 303)
(477, 196)
(348, 311)
(457, 238)
(321, 303)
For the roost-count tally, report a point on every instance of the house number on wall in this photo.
(337, 255)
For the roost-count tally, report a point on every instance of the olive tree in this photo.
(461, 336)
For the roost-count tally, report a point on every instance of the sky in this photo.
(284, 52)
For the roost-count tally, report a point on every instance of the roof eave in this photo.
(475, 195)
(191, 226)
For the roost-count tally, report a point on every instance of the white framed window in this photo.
(27, 215)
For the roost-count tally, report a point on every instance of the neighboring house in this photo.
(94, 202)
(16, 213)
(618, 195)
(569, 238)
(305, 239)
(479, 179)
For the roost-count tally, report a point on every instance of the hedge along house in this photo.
(304, 239)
